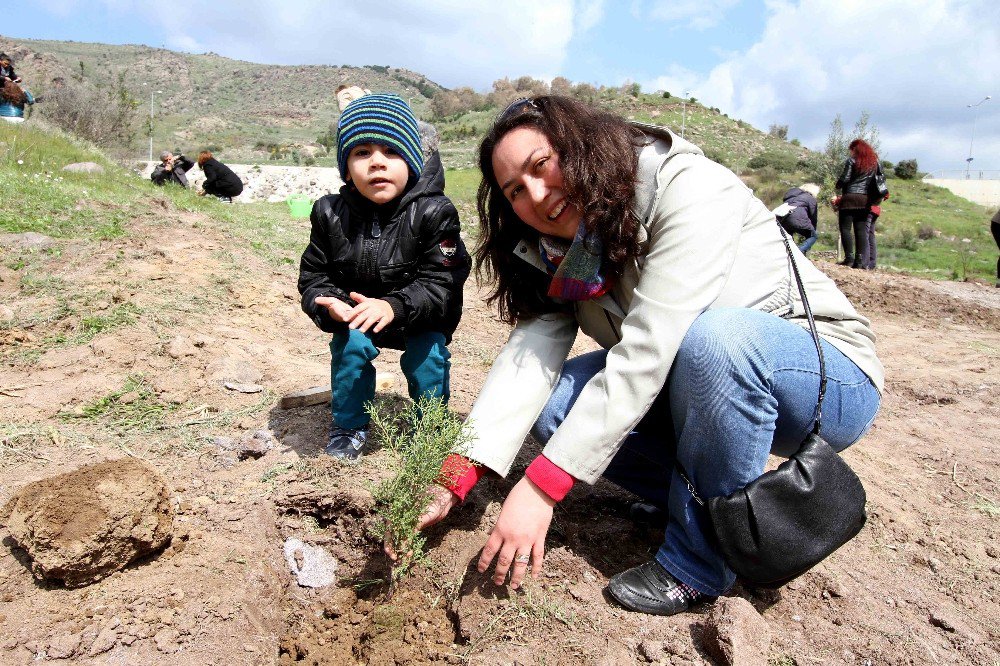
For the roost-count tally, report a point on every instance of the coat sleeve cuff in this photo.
(460, 475)
(398, 309)
(552, 479)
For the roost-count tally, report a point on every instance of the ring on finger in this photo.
(523, 559)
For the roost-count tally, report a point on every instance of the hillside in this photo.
(209, 100)
(130, 306)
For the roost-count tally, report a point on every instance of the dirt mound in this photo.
(81, 526)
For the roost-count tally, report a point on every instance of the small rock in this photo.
(589, 577)
(29, 240)
(249, 648)
(835, 589)
(243, 388)
(992, 552)
(84, 167)
(64, 647)
(312, 566)
(104, 641)
(934, 564)
(651, 650)
(180, 347)
(6, 314)
(735, 633)
(166, 640)
(578, 592)
(942, 621)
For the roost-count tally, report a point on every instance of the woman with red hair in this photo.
(854, 184)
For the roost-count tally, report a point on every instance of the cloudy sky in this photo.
(915, 65)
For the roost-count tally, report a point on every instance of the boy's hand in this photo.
(442, 501)
(369, 312)
(338, 309)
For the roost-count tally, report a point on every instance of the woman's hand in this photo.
(519, 534)
(442, 501)
(338, 309)
(368, 312)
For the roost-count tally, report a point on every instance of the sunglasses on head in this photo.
(516, 107)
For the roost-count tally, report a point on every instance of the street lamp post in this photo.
(151, 94)
(687, 94)
(968, 162)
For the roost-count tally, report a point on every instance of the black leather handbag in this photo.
(878, 190)
(792, 518)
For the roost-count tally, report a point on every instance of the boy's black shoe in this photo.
(347, 443)
(649, 588)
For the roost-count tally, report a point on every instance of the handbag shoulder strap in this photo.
(812, 330)
(819, 351)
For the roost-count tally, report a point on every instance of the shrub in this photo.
(778, 131)
(926, 232)
(903, 238)
(427, 434)
(779, 161)
(906, 169)
(666, 95)
(108, 117)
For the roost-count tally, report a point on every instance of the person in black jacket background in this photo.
(220, 180)
(855, 203)
(799, 215)
(171, 169)
(385, 265)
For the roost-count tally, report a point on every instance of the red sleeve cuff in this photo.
(460, 475)
(552, 479)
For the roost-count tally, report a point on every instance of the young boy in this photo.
(385, 264)
(7, 69)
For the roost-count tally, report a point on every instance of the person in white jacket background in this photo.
(629, 234)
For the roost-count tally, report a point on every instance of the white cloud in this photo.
(913, 64)
(454, 42)
(694, 14)
(589, 13)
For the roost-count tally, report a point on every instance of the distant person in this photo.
(854, 184)
(798, 214)
(171, 169)
(220, 181)
(347, 94)
(995, 228)
(867, 260)
(13, 100)
(7, 69)
(385, 264)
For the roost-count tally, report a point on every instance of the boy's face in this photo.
(379, 172)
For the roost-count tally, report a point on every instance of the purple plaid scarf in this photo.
(575, 267)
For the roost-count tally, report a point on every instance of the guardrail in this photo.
(961, 174)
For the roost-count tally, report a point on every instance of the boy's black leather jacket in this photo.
(407, 252)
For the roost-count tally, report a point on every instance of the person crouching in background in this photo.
(798, 214)
(220, 181)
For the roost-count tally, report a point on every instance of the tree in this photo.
(835, 152)
(906, 169)
(866, 130)
(561, 86)
(779, 131)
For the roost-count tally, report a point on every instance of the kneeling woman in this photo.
(670, 263)
(220, 180)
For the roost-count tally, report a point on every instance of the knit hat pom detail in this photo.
(383, 119)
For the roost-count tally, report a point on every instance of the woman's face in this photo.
(527, 170)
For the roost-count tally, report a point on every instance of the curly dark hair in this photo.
(12, 93)
(597, 156)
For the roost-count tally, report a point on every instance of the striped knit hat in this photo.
(383, 119)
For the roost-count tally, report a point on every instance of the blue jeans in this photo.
(808, 242)
(744, 385)
(425, 364)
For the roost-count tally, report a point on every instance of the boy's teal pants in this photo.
(425, 364)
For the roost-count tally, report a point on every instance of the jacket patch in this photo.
(449, 248)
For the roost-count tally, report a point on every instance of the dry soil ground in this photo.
(919, 585)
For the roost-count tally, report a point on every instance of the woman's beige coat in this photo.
(709, 243)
